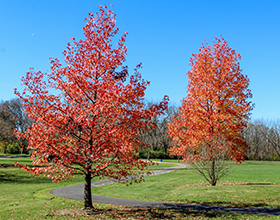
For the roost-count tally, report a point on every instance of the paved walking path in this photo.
(10, 157)
(76, 192)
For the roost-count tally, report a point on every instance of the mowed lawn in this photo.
(23, 196)
(251, 184)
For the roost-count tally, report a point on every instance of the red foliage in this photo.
(215, 112)
(86, 117)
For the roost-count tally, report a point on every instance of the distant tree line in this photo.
(263, 139)
(262, 136)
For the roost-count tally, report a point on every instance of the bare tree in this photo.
(263, 139)
(157, 138)
(13, 117)
(218, 166)
(272, 134)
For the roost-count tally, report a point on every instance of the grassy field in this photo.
(23, 196)
(251, 184)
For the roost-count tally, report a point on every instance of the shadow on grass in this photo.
(10, 174)
(141, 213)
(20, 177)
(258, 204)
(3, 165)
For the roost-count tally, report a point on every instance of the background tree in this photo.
(12, 117)
(6, 133)
(92, 122)
(157, 138)
(272, 135)
(263, 139)
(255, 139)
(7, 124)
(208, 129)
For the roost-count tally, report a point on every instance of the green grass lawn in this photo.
(23, 196)
(185, 185)
(9, 162)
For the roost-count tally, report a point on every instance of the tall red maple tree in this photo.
(208, 129)
(87, 119)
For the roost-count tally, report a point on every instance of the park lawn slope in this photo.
(251, 184)
(21, 193)
(24, 196)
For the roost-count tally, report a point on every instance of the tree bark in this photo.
(87, 192)
(149, 152)
(213, 176)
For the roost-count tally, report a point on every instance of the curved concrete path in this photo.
(76, 192)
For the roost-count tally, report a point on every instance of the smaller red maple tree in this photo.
(92, 122)
(208, 129)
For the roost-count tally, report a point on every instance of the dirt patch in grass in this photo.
(259, 184)
(89, 212)
(251, 184)
(120, 212)
(73, 212)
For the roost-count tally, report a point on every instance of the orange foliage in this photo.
(216, 110)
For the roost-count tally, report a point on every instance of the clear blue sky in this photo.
(162, 35)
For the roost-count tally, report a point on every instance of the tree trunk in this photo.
(5, 148)
(213, 176)
(87, 192)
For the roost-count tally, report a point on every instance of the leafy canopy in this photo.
(216, 109)
(92, 122)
